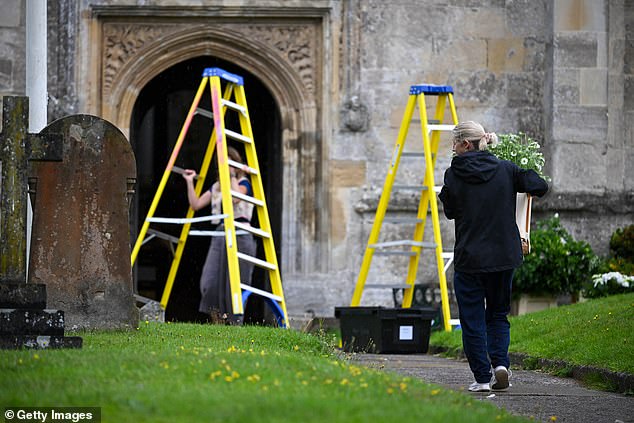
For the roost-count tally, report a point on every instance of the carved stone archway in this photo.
(285, 55)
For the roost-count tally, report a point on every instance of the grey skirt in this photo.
(214, 282)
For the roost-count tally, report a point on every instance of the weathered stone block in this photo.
(566, 87)
(506, 54)
(589, 124)
(347, 173)
(530, 121)
(593, 87)
(585, 162)
(535, 56)
(525, 89)
(11, 13)
(576, 50)
(482, 88)
(462, 54)
(31, 322)
(27, 295)
(579, 15)
(528, 18)
(483, 21)
(39, 342)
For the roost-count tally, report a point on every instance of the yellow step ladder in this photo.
(431, 130)
(233, 89)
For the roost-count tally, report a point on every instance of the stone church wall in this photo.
(560, 70)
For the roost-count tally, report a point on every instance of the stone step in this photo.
(23, 295)
(39, 342)
(31, 322)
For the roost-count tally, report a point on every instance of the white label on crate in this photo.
(405, 333)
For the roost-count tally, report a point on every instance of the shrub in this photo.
(557, 264)
(622, 250)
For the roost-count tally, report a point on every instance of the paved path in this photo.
(533, 394)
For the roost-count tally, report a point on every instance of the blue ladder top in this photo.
(430, 89)
(224, 75)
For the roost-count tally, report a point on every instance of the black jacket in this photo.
(480, 193)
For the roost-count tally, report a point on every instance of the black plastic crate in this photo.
(385, 330)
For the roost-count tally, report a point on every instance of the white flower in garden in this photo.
(524, 161)
(605, 278)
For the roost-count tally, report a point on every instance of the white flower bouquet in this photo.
(522, 150)
(525, 152)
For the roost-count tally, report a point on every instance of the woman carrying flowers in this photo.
(479, 193)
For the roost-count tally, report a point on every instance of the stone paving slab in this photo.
(533, 394)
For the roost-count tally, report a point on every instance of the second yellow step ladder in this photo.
(431, 131)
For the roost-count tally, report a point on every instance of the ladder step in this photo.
(403, 243)
(158, 234)
(386, 286)
(213, 233)
(238, 137)
(395, 253)
(204, 113)
(247, 198)
(234, 106)
(244, 167)
(440, 127)
(248, 228)
(262, 293)
(178, 220)
(402, 220)
(436, 189)
(413, 154)
(409, 187)
(257, 261)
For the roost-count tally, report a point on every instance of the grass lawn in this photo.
(599, 332)
(190, 373)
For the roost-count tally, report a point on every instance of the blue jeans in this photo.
(484, 302)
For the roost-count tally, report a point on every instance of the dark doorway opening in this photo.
(157, 120)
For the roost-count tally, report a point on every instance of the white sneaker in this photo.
(479, 387)
(500, 379)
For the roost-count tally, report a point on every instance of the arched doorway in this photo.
(157, 119)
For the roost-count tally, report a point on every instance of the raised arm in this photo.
(195, 201)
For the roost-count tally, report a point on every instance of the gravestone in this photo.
(24, 320)
(80, 246)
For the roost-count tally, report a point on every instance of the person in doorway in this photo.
(214, 281)
(479, 193)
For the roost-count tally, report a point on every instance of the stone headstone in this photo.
(80, 245)
(24, 320)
